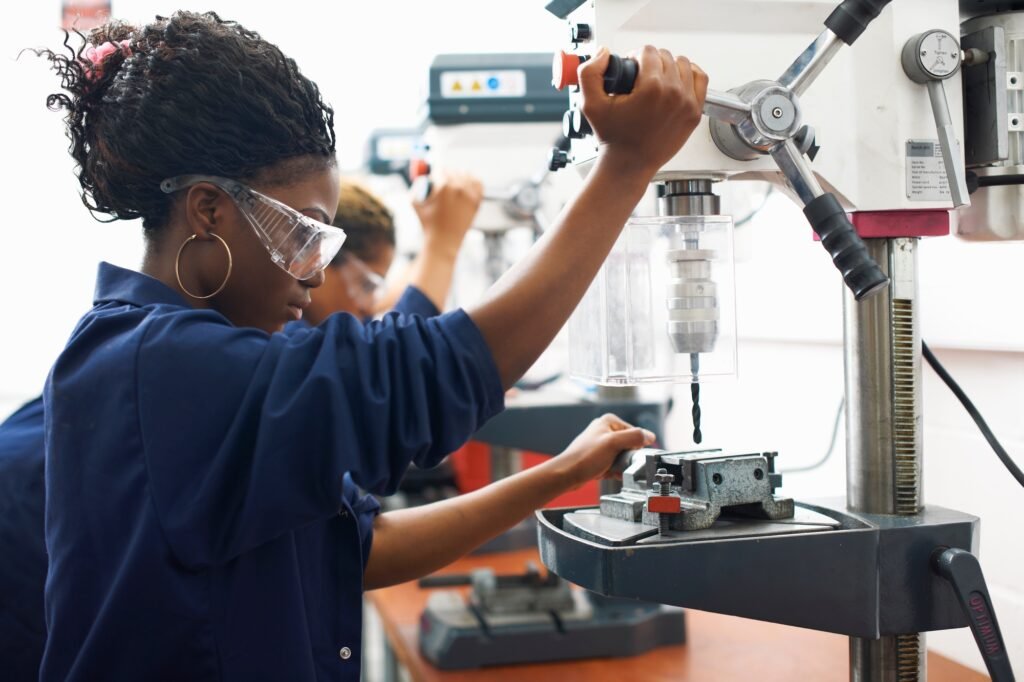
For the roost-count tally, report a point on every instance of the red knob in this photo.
(563, 70)
(418, 168)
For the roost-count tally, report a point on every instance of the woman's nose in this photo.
(314, 281)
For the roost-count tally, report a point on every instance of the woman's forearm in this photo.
(410, 543)
(432, 270)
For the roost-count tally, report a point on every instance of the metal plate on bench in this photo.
(589, 524)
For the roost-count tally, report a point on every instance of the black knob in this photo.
(580, 33)
(558, 159)
(575, 125)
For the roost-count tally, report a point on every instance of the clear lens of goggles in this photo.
(298, 244)
(363, 281)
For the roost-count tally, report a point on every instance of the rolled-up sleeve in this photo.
(415, 302)
(247, 436)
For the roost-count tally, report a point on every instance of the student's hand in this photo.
(448, 212)
(645, 128)
(592, 453)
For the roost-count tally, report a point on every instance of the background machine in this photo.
(893, 114)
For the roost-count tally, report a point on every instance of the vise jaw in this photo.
(704, 481)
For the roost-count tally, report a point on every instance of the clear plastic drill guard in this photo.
(664, 302)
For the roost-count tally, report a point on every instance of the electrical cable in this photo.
(831, 445)
(1000, 180)
(1001, 453)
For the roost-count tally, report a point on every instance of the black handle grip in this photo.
(620, 75)
(860, 272)
(850, 19)
(962, 570)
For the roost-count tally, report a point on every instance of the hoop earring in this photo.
(177, 268)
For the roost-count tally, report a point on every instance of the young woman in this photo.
(349, 285)
(203, 520)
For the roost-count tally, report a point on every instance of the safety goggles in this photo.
(363, 283)
(298, 244)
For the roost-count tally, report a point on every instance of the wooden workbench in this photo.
(718, 648)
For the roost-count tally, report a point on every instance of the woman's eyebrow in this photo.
(324, 218)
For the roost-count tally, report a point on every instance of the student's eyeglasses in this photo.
(298, 244)
(363, 282)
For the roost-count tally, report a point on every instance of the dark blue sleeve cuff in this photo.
(415, 302)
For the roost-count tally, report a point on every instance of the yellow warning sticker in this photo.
(480, 84)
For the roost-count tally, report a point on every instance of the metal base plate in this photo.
(589, 524)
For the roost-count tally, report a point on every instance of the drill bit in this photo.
(695, 397)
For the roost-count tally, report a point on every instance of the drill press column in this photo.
(882, 353)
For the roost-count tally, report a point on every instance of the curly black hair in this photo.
(190, 93)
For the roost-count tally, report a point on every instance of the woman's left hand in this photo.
(592, 453)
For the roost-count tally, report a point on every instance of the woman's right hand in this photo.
(645, 128)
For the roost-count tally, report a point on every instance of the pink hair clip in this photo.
(93, 56)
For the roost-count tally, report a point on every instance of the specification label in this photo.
(926, 173)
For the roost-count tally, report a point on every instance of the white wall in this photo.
(371, 59)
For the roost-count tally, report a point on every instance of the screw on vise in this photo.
(663, 488)
(695, 397)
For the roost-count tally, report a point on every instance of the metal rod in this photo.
(802, 72)
(794, 166)
(899, 658)
(867, 350)
(882, 359)
(726, 106)
(955, 172)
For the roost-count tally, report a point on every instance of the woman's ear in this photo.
(206, 210)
